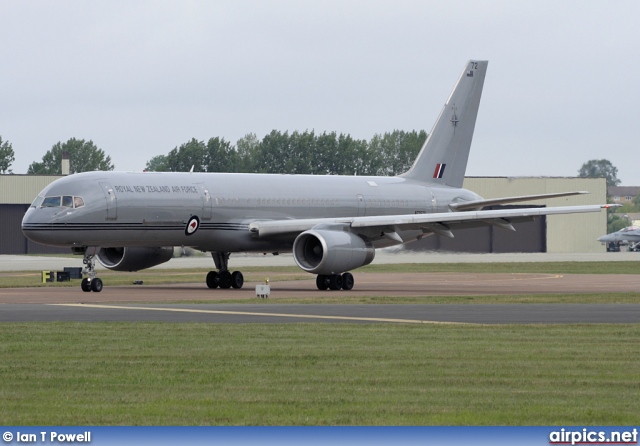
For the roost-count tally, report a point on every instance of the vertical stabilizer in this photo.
(443, 158)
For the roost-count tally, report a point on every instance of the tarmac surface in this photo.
(164, 303)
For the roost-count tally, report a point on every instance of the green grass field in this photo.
(318, 374)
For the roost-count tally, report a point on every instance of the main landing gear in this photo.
(91, 283)
(223, 278)
(335, 282)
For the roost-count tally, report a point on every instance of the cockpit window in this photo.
(51, 202)
(37, 202)
(57, 201)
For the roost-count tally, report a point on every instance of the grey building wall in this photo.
(16, 194)
(22, 189)
(528, 237)
(564, 233)
(11, 239)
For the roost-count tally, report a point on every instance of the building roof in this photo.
(623, 191)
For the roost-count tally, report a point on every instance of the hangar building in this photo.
(573, 233)
(570, 233)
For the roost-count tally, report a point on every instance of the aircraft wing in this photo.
(479, 204)
(438, 223)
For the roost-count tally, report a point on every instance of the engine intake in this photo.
(133, 259)
(331, 252)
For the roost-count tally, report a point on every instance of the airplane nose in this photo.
(27, 218)
(35, 226)
(604, 238)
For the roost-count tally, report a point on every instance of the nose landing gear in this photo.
(90, 283)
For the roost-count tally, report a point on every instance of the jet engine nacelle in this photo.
(331, 252)
(133, 259)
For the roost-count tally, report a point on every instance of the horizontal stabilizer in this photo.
(479, 204)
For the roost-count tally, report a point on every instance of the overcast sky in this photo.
(142, 77)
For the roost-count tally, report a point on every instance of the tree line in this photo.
(308, 152)
(83, 156)
(327, 153)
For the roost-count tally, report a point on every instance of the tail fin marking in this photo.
(439, 170)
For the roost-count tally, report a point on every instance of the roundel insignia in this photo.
(192, 226)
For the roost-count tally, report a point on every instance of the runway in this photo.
(150, 303)
(369, 313)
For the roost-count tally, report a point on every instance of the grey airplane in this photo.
(630, 235)
(332, 224)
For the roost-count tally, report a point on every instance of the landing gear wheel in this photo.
(335, 282)
(89, 270)
(212, 279)
(96, 285)
(322, 282)
(237, 279)
(224, 280)
(347, 281)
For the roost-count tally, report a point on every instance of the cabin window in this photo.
(78, 202)
(67, 201)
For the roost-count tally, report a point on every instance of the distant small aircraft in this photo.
(630, 235)
(331, 223)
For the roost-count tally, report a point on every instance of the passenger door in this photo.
(112, 201)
